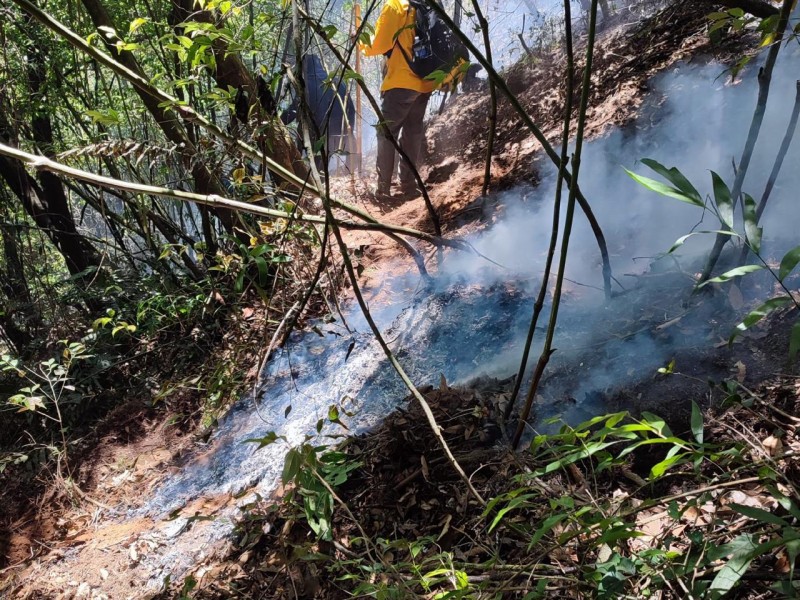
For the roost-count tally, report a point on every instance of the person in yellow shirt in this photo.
(404, 97)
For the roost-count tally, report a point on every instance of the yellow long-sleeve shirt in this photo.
(396, 24)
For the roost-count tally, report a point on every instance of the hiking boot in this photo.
(380, 194)
(410, 191)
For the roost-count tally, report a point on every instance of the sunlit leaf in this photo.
(135, 24)
(759, 313)
(733, 274)
(722, 197)
(663, 189)
(675, 177)
(733, 570)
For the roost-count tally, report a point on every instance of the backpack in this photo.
(436, 47)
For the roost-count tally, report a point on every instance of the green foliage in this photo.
(604, 533)
(723, 205)
(737, 20)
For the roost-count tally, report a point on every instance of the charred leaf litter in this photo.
(472, 320)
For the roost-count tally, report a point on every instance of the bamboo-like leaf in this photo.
(789, 262)
(751, 228)
(682, 240)
(736, 566)
(759, 313)
(758, 514)
(722, 197)
(733, 273)
(675, 177)
(663, 189)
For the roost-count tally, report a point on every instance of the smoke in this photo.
(696, 121)
(473, 319)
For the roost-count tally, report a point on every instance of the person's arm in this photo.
(389, 25)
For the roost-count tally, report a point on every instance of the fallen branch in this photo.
(43, 163)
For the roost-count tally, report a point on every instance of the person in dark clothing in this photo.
(332, 112)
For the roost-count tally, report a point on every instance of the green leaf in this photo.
(759, 514)
(135, 24)
(291, 466)
(794, 342)
(792, 549)
(350, 75)
(333, 414)
(263, 270)
(657, 423)
(238, 285)
(659, 469)
(267, 440)
(722, 197)
(759, 313)
(697, 423)
(676, 178)
(751, 229)
(547, 525)
(733, 273)
(509, 507)
(664, 190)
(789, 262)
(744, 553)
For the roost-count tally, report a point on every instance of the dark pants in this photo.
(403, 113)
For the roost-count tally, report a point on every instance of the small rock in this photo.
(84, 592)
(103, 574)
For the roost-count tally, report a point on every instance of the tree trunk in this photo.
(205, 182)
(14, 287)
(48, 207)
(232, 72)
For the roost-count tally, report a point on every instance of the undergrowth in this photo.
(617, 507)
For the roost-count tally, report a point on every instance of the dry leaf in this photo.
(469, 431)
(735, 297)
(782, 564)
(739, 497)
(773, 445)
(741, 371)
(425, 472)
(445, 527)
